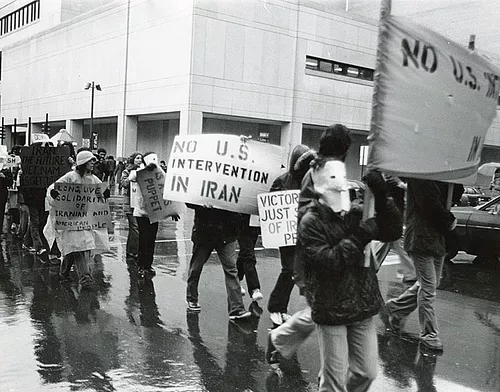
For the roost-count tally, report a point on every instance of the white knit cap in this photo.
(83, 157)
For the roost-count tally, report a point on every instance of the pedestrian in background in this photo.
(247, 261)
(428, 221)
(120, 166)
(100, 165)
(109, 173)
(130, 192)
(5, 183)
(300, 159)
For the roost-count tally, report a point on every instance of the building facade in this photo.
(279, 70)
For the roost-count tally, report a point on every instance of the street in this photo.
(137, 336)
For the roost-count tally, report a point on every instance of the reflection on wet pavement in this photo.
(131, 334)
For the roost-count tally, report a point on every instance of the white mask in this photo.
(331, 183)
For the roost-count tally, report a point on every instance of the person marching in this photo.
(300, 158)
(77, 247)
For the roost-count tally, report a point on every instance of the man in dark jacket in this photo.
(427, 222)
(215, 229)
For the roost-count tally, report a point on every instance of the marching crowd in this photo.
(327, 264)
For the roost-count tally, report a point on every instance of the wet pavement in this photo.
(137, 336)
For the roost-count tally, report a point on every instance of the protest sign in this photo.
(278, 218)
(134, 189)
(221, 170)
(434, 101)
(81, 207)
(151, 184)
(43, 165)
(39, 137)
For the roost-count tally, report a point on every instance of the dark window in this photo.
(22, 16)
(338, 68)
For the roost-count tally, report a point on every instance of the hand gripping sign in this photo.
(278, 218)
(151, 184)
(221, 170)
(433, 103)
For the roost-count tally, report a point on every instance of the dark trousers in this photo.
(279, 298)
(38, 219)
(133, 235)
(3, 201)
(147, 239)
(246, 257)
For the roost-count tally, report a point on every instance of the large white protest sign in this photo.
(151, 184)
(81, 207)
(278, 218)
(39, 137)
(433, 104)
(221, 170)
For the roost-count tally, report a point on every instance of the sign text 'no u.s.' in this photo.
(221, 170)
(278, 218)
(433, 104)
(81, 207)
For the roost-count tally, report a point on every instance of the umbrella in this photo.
(61, 136)
(488, 169)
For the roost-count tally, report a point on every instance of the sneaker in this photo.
(29, 249)
(194, 306)
(243, 292)
(395, 324)
(41, 252)
(239, 316)
(257, 295)
(13, 228)
(276, 318)
(150, 271)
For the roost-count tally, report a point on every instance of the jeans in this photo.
(380, 250)
(422, 295)
(81, 261)
(133, 235)
(280, 296)
(246, 257)
(349, 356)
(289, 336)
(147, 239)
(38, 219)
(227, 256)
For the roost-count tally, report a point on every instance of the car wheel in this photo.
(446, 274)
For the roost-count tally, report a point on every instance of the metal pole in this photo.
(28, 138)
(92, 115)
(3, 129)
(47, 123)
(14, 135)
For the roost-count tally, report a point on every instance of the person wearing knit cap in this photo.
(78, 246)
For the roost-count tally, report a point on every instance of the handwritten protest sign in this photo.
(151, 184)
(221, 170)
(39, 137)
(42, 166)
(134, 193)
(278, 218)
(81, 207)
(433, 104)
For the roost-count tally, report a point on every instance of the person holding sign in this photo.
(77, 246)
(300, 159)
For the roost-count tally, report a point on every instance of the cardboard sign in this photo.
(151, 184)
(433, 104)
(81, 207)
(39, 137)
(221, 170)
(278, 218)
(42, 166)
(134, 189)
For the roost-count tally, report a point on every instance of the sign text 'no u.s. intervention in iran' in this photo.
(433, 104)
(151, 184)
(81, 207)
(278, 218)
(221, 170)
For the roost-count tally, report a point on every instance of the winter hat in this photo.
(83, 157)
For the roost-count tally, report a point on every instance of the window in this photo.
(21, 17)
(338, 68)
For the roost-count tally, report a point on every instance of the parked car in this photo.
(477, 233)
(473, 196)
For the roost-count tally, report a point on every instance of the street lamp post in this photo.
(92, 86)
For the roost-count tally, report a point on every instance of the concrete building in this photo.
(279, 70)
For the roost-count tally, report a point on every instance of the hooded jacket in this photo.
(300, 159)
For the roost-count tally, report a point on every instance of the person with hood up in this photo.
(78, 246)
(300, 159)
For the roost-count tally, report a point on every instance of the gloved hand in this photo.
(151, 166)
(367, 231)
(106, 194)
(54, 194)
(175, 217)
(377, 184)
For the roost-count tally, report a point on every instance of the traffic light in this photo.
(46, 128)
